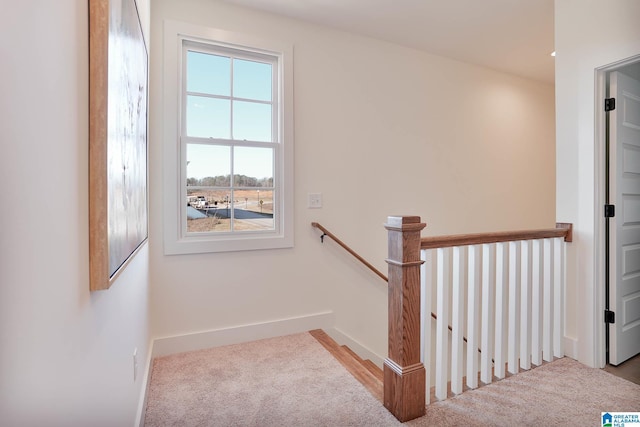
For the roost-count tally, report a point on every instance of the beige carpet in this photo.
(563, 393)
(294, 381)
(286, 381)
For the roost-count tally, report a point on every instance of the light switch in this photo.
(314, 201)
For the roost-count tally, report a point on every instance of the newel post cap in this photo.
(404, 223)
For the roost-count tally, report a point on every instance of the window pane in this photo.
(251, 80)
(208, 73)
(208, 117)
(251, 121)
(208, 165)
(253, 210)
(208, 210)
(252, 167)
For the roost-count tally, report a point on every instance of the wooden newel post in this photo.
(404, 374)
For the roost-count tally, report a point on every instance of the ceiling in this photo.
(513, 36)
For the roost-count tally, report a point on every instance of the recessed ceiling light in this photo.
(553, 53)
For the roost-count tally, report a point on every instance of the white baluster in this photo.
(426, 284)
(513, 340)
(547, 332)
(501, 314)
(442, 330)
(488, 280)
(457, 319)
(525, 307)
(473, 319)
(558, 296)
(536, 303)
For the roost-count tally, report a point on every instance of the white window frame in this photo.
(176, 239)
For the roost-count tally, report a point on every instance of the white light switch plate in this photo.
(314, 200)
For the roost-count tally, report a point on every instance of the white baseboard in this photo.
(146, 381)
(239, 334)
(361, 350)
(571, 347)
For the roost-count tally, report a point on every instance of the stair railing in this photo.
(512, 284)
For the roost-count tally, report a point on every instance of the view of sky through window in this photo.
(230, 99)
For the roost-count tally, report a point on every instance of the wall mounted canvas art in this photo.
(118, 80)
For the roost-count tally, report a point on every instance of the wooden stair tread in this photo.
(355, 365)
(374, 369)
(352, 353)
(371, 367)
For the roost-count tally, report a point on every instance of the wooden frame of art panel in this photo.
(118, 85)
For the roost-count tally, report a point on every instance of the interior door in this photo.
(624, 190)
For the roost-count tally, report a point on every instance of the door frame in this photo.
(600, 242)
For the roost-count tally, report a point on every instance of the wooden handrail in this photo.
(359, 258)
(562, 230)
(348, 249)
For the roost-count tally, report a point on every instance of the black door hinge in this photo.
(609, 211)
(609, 104)
(609, 316)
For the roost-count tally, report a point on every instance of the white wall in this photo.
(581, 47)
(65, 353)
(380, 130)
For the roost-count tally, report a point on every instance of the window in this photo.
(228, 142)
